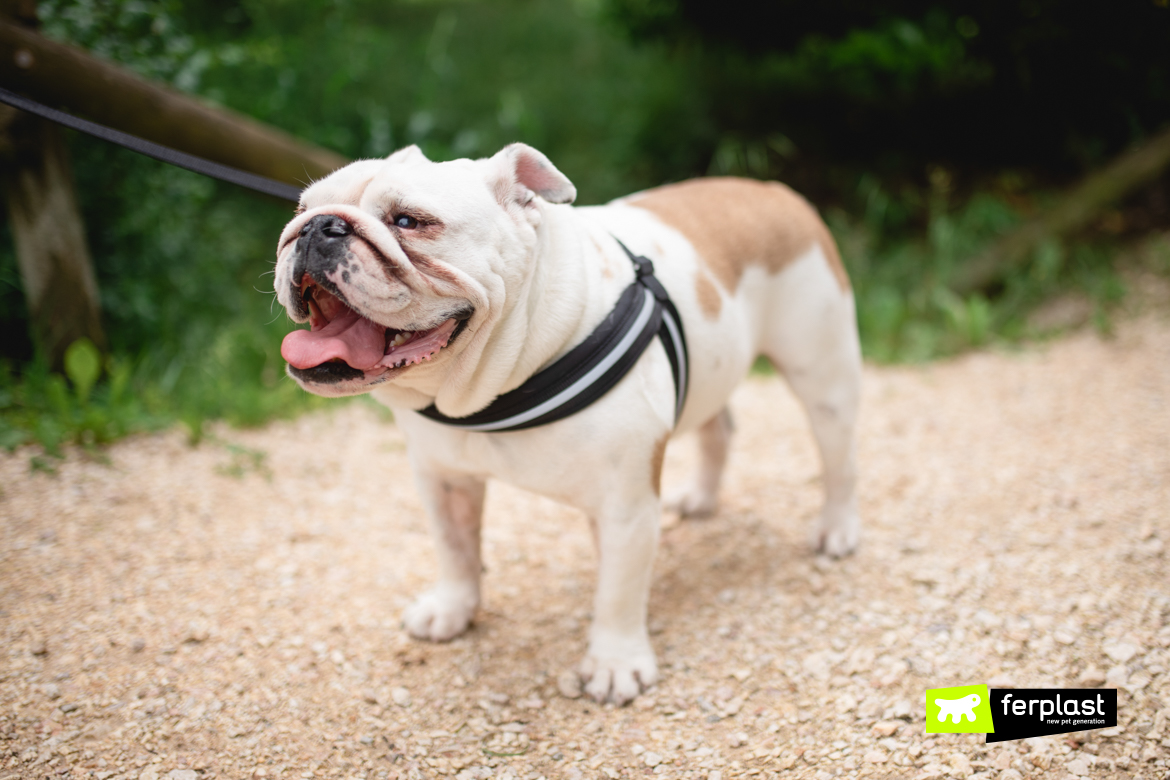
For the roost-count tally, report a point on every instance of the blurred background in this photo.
(928, 133)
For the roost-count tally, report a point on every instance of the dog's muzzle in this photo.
(322, 247)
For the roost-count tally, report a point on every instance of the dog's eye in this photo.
(405, 221)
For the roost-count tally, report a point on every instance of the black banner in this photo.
(1019, 713)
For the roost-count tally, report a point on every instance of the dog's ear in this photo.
(408, 154)
(523, 170)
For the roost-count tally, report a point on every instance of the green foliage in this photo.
(83, 364)
(900, 84)
(906, 311)
(41, 406)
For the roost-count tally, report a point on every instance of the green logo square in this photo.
(962, 710)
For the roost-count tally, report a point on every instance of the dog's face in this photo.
(402, 266)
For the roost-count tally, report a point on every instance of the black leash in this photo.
(589, 370)
(166, 154)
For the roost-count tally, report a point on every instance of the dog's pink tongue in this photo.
(353, 338)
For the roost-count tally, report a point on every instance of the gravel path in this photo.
(231, 610)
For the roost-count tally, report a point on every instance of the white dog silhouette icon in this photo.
(958, 708)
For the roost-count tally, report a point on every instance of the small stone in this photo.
(960, 764)
(1121, 652)
(1137, 682)
(876, 757)
(902, 710)
(715, 774)
(738, 739)
(52, 691)
(38, 647)
(569, 684)
(370, 696)
(1010, 774)
(138, 645)
(1078, 766)
(150, 773)
(651, 759)
(1092, 677)
(886, 728)
(400, 696)
(1117, 677)
(732, 707)
(182, 774)
(196, 632)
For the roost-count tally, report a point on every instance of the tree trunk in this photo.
(55, 266)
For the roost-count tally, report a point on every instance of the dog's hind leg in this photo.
(812, 341)
(830, 397)
(455, 506)
(701, 498)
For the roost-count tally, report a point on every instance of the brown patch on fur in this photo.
(710, 301)
(734, 223)
(656, 464)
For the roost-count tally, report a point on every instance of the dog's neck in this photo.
(576, 274)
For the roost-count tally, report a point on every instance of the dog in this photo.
(443, 286)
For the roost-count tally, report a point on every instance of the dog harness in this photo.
(590, 369)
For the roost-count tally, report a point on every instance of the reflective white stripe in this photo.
(676, 337)
(584, 382)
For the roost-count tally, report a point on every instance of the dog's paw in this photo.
(618, 679)
(440, 614)
(693, 502)
(837, 536)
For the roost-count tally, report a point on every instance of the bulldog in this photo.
(444, 286)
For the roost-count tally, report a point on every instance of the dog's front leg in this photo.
(620, 662)
(455, 506)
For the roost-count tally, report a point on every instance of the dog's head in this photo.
(403, 266)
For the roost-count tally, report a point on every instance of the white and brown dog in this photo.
(453, 283)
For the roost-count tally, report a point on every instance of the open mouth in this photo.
(343, 345)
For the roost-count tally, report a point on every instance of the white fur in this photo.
(541, 277)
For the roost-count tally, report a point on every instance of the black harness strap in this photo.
(593, 367)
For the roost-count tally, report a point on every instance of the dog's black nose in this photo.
(328, 226)
(322, 246)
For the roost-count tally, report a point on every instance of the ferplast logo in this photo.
(1035, 712)
(962, 710)
(1017, 713)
